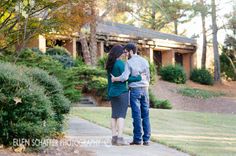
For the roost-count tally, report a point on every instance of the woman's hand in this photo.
(113, 78)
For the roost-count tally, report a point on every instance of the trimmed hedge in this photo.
(202, 76)
(30, 103)
(174, 74)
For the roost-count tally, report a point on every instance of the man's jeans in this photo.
(139, 102)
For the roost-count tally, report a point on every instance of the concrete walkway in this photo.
(96, 139)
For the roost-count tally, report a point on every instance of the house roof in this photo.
(111, 28)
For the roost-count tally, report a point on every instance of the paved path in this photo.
(97, 140)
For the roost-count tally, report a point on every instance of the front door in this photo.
(179, 59)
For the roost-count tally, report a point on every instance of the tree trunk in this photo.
(204, 42)
(232, 63)
(215, 43)
(93, 32)
(153, 17)
(85, 49)
(176, 26)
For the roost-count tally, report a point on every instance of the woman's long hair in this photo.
(115, 52)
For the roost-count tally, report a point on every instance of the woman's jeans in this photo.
(139, 102)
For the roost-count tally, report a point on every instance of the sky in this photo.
(224, 6)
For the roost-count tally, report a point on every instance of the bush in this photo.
(62, 55)
(91, 80)
(79, 62)
(37, 59)
(34, 59)
(37, 50)
(54, 90)
(226, 67)
(98, 85)
(58, 51)
(102, 62)
(174, 74)
(198, 93)
(28, 104)
(153, 72)
(202, 76)
(157, 103)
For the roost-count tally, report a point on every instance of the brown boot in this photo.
(121, 141)
(114, 140)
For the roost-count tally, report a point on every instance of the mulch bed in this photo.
(224, 104)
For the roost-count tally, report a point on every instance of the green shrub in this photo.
(174, 74)
(91, 80)
(72, 94)
(33, 59)
(157, 103)
(198, 93)
(79, 62)
(26, 110)
(36, 50)
(57, 50)
(37, 59)
(153, 72)
(226, 67)
(98, 85)
(202, 76)
(54, 90)
(102, 62)
(87, 72)
(62, 55)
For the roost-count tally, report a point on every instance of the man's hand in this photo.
(144, 76)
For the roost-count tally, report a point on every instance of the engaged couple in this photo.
(128, 82)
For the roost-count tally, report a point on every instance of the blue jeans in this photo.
(139, 102)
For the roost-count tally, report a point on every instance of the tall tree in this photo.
(215, 43)
(204, 38)
(73, 17)
(229, 48)
(22, 20)
(19, 20)
(93, 32)
(202, 8)
(159, 14)
(112, 6)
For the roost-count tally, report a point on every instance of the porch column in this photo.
(149, 54)
(187, 63)
(100, 49)
(37, 42)
(168, 57)
(42, 43)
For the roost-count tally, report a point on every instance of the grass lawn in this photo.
(203, 134)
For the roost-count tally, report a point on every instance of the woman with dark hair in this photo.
(118, 93)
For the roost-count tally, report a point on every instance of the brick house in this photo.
(161, 48)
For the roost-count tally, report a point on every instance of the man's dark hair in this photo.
(131, 46)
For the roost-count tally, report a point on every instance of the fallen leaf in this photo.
(17, 100)
(20, 149)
